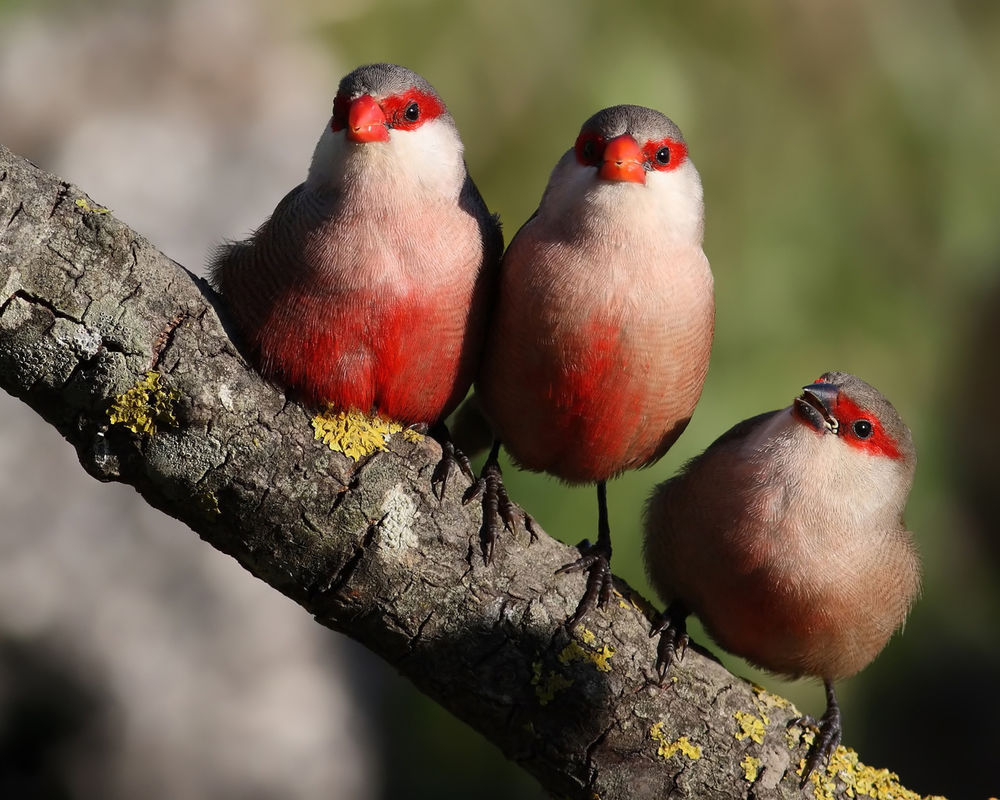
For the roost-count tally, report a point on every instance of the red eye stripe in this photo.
(395, 107)
(678, 152)
(879, 442)
(589, 149)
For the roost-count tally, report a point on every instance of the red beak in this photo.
(623, 161)
(366, 121)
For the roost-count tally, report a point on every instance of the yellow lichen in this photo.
(356, 435)
(667, 748)
(145, 406)
(599, 658)
(797, 734)
(751, 768)
(208, 503)
(750, 726)
(682, 745)
(631, 600)
(81, 203)
(547, 684)
(572, 652)
(765, 701)
(856, 779)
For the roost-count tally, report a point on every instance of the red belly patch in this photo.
(398, 355)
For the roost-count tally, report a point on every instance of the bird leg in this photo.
(672, 630)
(827, 736)
(596, 560)
(451, 457)
(497, 505)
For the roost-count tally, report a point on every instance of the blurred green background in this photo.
(849, 154)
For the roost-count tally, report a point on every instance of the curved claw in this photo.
(596, 561)
(827, 736)
(674, 640)
(451, 457)
(529, 524)
(497, 506)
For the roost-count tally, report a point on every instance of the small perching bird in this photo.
(786, 539)
(369, 286)
(600, 340)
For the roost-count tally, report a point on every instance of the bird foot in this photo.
(497, 507)
(827, 739)
(596, 561)
(451, 457)
(672, 630)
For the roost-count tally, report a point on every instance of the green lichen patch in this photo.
(665, 748)
(357, 435)
(145, 407)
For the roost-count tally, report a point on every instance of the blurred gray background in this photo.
(849, 153)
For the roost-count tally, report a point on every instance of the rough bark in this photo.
(88, 308)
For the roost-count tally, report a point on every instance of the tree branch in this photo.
(88, 308)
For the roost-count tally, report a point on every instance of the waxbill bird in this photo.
(600, 339)
(368, 287)
(786, 539)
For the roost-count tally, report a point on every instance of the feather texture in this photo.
(369, 285)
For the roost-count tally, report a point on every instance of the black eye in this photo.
(412, 112)
(588, 149)
(862, 429)
(663, 155)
